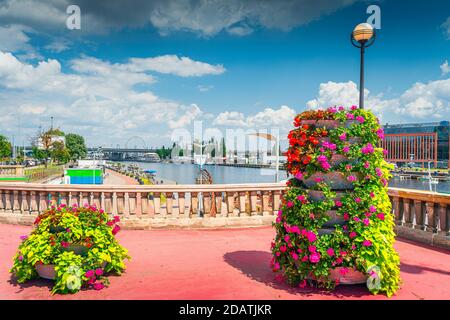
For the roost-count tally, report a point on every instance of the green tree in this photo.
(59, 152)
(76, 146)
(5, 148)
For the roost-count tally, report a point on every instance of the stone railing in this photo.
(422, 215)
(151, 206)
(11, 171)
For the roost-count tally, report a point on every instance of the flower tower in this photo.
(335, 225)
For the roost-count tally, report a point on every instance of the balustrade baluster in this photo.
(2, 200)
(206, 204)
(181, 203)
(230, 203)
(218, 199)
(418, 214)
(194, 203)
(169, 203)
(138, 208)
(431, 217)
(242, 203)
(276, 201)
(407, 213)
(396, 209)
(443, 219)
(157, 202)
(265, 202)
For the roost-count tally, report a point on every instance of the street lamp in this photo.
(363, 36)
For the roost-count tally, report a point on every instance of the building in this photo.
(418, 143)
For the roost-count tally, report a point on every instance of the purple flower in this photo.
(23, 238)
(20, 258)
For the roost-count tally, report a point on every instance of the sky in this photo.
(138, 71)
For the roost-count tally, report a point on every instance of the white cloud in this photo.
(190, 114)
(203, 17)
(58, 45)
(96, 98)
(421, 102)
(445, 68)
(184, 66)
(14, 38)
(282, 117)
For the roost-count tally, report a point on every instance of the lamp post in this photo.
(363, 36)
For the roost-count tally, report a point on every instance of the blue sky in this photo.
(249, 64)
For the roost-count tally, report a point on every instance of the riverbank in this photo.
(116, 178)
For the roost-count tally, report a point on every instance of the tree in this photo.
(59, 152)
(76, 146)
(5, 147)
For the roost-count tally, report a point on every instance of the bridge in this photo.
(121, 153)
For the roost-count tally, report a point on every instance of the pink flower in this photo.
(353, 107)
(380, 133)
(372, 209)
(23, 238)
(299, 250)
(115, 229)
(276, 266)
(101, 211)
(366, 164)
(314, 257)
(343, 271)
(20, 258)
(325, 165)
(322, 158)
(346, 216)
(279, 278)
(89, 273)
(380, 216)
(301, 198)
(367, 149)
(360, 119)
(343, 137)
(91, 280)
(348, 167)
(341, 108)
(372, 195)
(379, 172)
(350, 116)
(283, 248)
(338, 203)
(356, 219)
(332, 109)
(277, 253)
(352, 234)
(344, 227)
(366, 221)
(302, 284)
(305, 258)
(98, 271)
(339, 260)
(299, 176)
(353, 247)
(322, 149)
(286, 238)
(294, 256)
(68, 230)
(358, 200)
(368, 214)
(98, 286)
(330, 252)
(311, 216)
(278, 220)
(317, 180)
(351, 178)
(346, 149)
(311, 236)
(289, 204)
(367, 243)
(312, 249)
(116, 219)
(64, 244)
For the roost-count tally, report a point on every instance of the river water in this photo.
(186, 174)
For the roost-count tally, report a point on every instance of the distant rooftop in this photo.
(417, 125)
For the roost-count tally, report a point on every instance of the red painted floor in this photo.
(219, 264)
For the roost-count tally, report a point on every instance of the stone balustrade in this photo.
(419, 215)
(11, 171)
(151, 206)
(422, 215)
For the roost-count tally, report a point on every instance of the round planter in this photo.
(350, 277)
(328, 124)
(77, 249)
(351, 140)
(56, 229)
(336, 180)
(46, 271)
(316, 195)
(334, 219)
